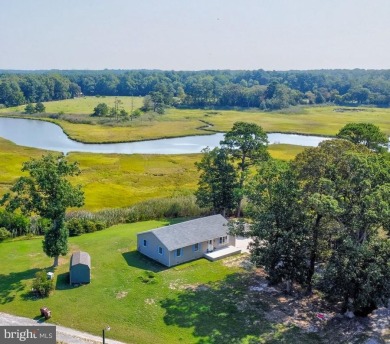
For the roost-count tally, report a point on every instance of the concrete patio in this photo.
(222, 253)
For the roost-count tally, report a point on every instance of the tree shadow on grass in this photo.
(139, 261)
(225, 312)
(12, 284)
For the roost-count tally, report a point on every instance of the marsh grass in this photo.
(317, 120)
(153, 209)
(120, 180)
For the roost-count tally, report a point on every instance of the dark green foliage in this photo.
(246, 143)
(16, 224)
(55, 242)
(359, 275)
(366, 134)
(101, 110)
(256, 88)
(42, 286)
(39, 107)
(329, 206)
(75, 227)
(89, 226)
(4, 234)
(29, 109)
(218, 182)
(281, 242)
(48, 193)
(80, 225)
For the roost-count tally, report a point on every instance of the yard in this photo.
(143, 302)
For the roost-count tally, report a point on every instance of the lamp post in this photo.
(107, 328)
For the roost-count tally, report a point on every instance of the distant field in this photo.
(181, 122)
(120, 180)
(82, 105)
(315, 120)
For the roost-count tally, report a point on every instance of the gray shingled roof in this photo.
(191, 232)
(80, 258)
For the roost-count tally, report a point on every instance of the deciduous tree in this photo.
(366, 134)
(246, 143)
(48, 193)
(218, 181)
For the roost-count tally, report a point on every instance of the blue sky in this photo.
(194, 34)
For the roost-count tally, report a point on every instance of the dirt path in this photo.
(64, 334)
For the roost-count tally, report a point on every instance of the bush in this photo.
(42, 286)
(4, 234)
(75, 227)
(39, 225)
(89, 226)
(100, 225)
(16, 224)
(80, 225)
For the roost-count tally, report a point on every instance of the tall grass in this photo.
(154, 209)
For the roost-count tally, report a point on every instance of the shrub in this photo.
(89, 226)
(42, 286)
(39, 225)
(16, 224)
(75, 227)
(82, 222)
(100, 225)
(4, 234)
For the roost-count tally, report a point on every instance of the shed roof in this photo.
(191, 232)
(80, 258)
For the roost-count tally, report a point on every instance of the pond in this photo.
(45, 135)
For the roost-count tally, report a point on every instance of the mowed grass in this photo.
(326, 120)
(120, 180)
(195, 302)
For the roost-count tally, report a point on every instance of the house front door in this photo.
(210, 246)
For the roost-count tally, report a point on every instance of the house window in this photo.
(196, 247)
(178, 252)
(160, 250)
(223, 240)
(145, 243)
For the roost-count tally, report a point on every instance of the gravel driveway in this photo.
(64, 334)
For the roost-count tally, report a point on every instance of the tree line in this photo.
(267, 90)
(321, 220)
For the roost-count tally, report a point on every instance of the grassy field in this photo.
(82, 105)
(120, 180)
(325, 120)
(197, 302)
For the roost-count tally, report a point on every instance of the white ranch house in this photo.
(175, 244)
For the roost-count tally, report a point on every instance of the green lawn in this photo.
(197, 302)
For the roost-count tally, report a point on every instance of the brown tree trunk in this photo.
(56, 259)
(313, 254)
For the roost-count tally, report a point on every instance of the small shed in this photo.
(80, 268)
